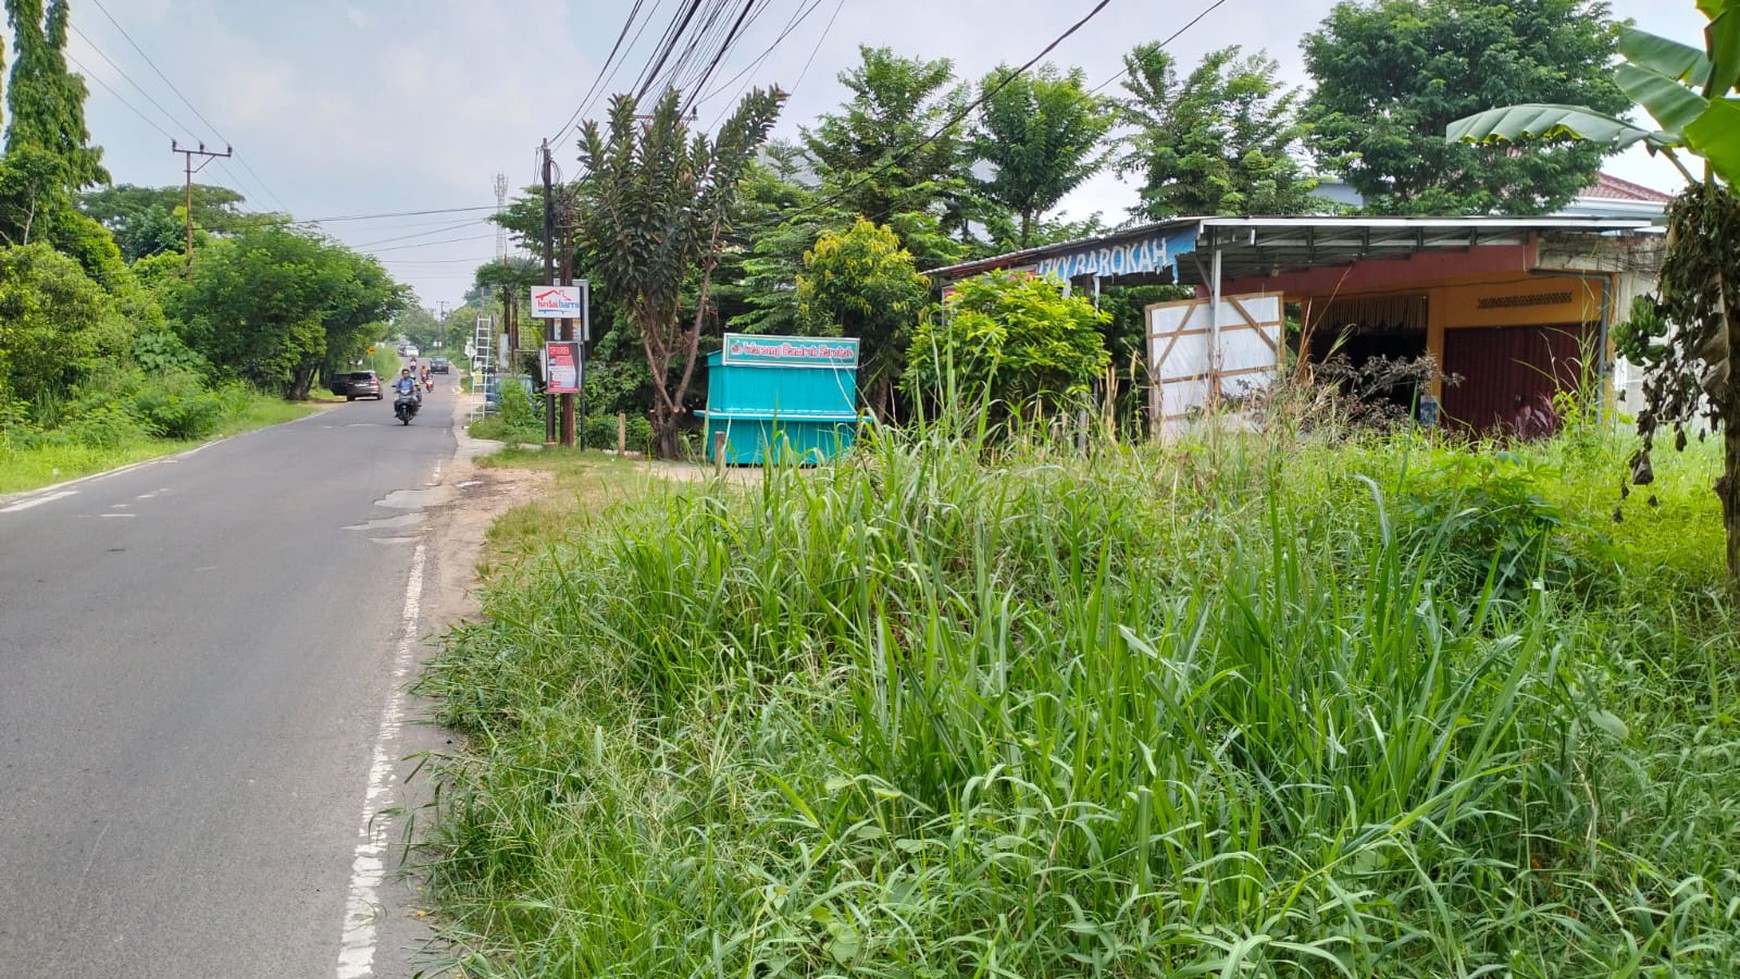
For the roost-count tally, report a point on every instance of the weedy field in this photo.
(1242, 706)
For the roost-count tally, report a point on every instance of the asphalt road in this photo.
(194, 658)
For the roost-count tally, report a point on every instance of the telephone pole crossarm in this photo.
(206, 157)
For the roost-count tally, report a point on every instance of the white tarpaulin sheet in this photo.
(1194, 360)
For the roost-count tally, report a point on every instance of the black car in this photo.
(358, 384)
(438, 365)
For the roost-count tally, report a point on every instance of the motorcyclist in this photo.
(407, 385)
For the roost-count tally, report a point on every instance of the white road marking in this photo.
(356, 954)
(37, 501)
(117, 514)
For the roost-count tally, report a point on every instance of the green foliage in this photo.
(276, 307)
(863, 284)
(149, 221)
(1686, 90)
(1041, 133)
(873, 155)
(1222, 142)
(162, 350)
(1390, 75)
(651, 214)
(52, 322)
(1015, 339)
(45, 104)
(1487, 522)
(953, 709)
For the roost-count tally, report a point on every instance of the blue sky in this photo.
(369, 106)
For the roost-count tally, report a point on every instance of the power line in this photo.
(903, 155)
(444, 241)
(422, 234)
(1170, 38)
(394, 214)
(586, 100)
(696, 84)
(130, 107)
(186, 129)
(184, 100)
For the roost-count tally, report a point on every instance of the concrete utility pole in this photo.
(175, 147)
(567, 323)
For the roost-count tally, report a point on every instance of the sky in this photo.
(339, 108)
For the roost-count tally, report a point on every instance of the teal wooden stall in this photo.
(777, 395)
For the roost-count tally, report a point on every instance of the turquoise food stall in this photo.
(774, 395)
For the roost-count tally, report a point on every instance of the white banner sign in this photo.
(556, 302)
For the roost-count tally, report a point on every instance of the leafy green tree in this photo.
(778, 219)
(1392, 74)
(276, 306)
(151, 220)
(872, 155)
(1221, 142)
(863, 284)
(1041, 134)
(651, 213)
(52, 317)
(1016, 338)
(45, 103)
(1686, 336)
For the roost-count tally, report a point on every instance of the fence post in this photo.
(719, 453)
(621, 433)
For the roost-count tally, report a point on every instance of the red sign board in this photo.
(563, 360)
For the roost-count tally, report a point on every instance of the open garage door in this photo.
(1196, 359)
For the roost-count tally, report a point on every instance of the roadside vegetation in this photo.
(1300, 703)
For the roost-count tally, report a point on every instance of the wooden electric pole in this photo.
(175, 147)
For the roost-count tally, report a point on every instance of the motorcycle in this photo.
(405, 408)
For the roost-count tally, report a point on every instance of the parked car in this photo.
(360, 384)
(438, 365)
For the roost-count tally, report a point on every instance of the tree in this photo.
(276, 306)
(51, 317)
(863, 284)
(1686, 336)
(152, 220)
(1391, 76)
(652, 211)
(1040, 132)
(873, 154)
(45, 103)
(1016, 338)
(1223, 142)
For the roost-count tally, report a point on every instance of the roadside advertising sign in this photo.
(557, 302)
(742, 348)
(562, 360)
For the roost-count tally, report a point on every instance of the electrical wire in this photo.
(444, 241)
(1211, 8)
(423, 234)
(586, 100)
(905, 154)
(186, 129)
(394, 214)
(86, 72)
(184, 101)
(695, 85)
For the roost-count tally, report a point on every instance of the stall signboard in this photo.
(774, 351)
(557, 302)
(562, 366)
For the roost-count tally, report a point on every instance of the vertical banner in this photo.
(563, 360)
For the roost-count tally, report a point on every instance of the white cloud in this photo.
(357, 17)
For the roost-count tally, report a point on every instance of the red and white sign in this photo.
(556, 302)
(562, 361)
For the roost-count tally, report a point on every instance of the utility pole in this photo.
(175, 147)
(549, 280)
(568, 323)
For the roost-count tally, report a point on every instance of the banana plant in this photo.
(1688, 365)
(1689, 93)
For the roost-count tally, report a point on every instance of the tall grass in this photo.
(956, 707)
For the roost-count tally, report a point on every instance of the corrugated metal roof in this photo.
(1266, 245)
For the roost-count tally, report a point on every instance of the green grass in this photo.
(23, 469)
(585, 488)
(1237, 707)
